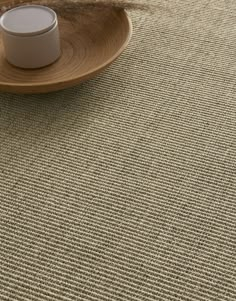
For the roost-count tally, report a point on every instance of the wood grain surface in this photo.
(90, 43)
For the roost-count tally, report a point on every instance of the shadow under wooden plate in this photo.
(89, 45)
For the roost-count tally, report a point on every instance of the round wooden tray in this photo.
(89, 45)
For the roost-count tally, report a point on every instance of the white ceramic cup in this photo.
(30, 36)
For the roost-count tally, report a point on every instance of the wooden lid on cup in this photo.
(28, 20)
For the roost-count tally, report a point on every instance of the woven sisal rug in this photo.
(124, 188)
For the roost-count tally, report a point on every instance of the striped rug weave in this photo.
(124, 188)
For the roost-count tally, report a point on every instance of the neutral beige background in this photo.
(124, 188)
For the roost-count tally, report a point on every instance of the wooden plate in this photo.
(89, 45)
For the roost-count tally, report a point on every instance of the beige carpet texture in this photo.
(124, 188)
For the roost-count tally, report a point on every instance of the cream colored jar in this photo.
(30, 36)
